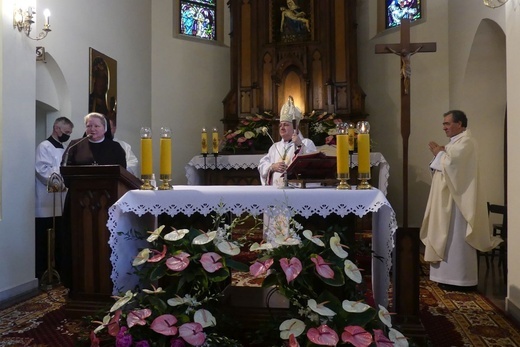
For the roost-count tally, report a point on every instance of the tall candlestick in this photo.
(363, 145)
(146, 157)
(215, 141)
(204, 141)
(342, 156)
(165, 167)
(351, 136)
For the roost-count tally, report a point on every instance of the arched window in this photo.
(198, 18)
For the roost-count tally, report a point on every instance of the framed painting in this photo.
(103, 84)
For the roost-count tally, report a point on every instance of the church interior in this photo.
(464, 57)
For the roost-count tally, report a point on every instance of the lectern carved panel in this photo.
(305, 48)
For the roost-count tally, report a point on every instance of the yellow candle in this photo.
(215, 141)
(351, 137)
(165, 167)
(204, 141)
(363, 145)
(342, 155)
(146, 156)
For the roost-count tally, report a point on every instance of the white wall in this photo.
(513, 110)
(121, 30)
(189, 83)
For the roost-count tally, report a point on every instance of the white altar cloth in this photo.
(127, 218)
(250, 161)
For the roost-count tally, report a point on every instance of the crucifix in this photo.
(406, 272)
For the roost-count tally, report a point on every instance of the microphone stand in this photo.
(66, 156)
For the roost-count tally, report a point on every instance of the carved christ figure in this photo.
(293, 12)
(406, 67)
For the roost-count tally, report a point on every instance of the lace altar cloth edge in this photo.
(136, 212)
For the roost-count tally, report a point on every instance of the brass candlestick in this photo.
(146, 182)
(364, 177)
(343, 181)
(165, 182)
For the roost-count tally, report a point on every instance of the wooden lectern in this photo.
(92, 190)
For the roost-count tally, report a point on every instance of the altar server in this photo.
(456, 222)
(49, 205)
(273, 165)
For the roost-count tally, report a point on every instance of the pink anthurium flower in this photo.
(291, 268)
(322, 267)
(192, 333)
(260, 267)
(138, 317)
(158, 256)
(211, 261)
(113, 324)
(178, 262)
(323, 336)
(293, 342)
(357, 336)
(381, 340)
(165, 325)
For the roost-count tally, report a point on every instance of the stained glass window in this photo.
(198, 19)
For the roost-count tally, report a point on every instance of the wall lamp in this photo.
(23, 20)
(494, 3)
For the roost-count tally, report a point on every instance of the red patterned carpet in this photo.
(454, 318)
(450, 319)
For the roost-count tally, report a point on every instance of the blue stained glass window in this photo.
(198, 19)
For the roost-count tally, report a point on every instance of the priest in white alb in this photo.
(456, 222)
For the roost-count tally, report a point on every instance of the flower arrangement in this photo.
(249, 134)
(183, 273)
(323, 128)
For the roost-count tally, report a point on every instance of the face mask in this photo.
(63, 138)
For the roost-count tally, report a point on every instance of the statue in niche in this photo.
(293, 19)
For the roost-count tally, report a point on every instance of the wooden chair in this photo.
(499, 229)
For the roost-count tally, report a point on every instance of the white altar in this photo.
(137, 211)
(236, 162)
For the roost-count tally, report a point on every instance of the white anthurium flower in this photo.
(384, 316)
(142, 257)
(337, 247)
(352, 271)
(291, 326)
(122, 301)
(397, 338)
(228, 248)
(204, 238)
(176, 301)
(176, 234)
(320, 308)
(204, 318)
(103, 324)
(155, 234)
(316, 239)
(157, 290)
(261, 246)
(354, 306)
(286, 241)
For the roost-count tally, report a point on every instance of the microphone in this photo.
(66, 156)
